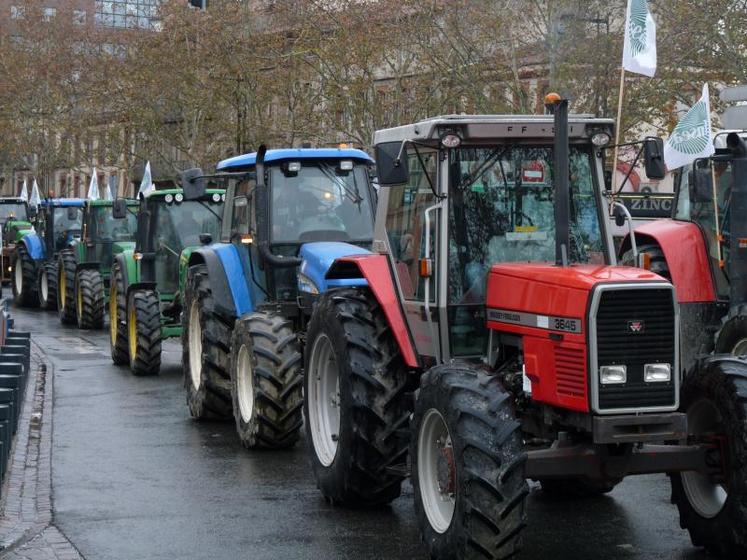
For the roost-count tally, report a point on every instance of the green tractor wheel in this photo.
(118, 318)
(89, 299)
(144, 332)
(66, 287)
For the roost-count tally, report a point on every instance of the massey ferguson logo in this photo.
(636, 327)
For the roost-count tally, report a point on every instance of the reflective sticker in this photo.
(543, 321)
(525, 229)
(562, 324)
(526, 383)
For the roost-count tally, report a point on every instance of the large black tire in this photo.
(66, 266)
(118, 317)
(577, 487)
(658, 261)
(349, 338)
(24, 283)
(144, 332)
(206, 359)
(478, 464)
(716, 389)
(89, 299)
(266, 381)
(732, 337)
(47, 286)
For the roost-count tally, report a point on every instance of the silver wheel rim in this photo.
(324, 400)
(44, 287)
(740, 348)
(706, 497)
(18, 273)
(195, 346)
(245, 384)
(434, 441)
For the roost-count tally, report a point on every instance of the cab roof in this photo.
(164, 192)
(64, 202)
(12, 200)
(130, 202)
(285, 154)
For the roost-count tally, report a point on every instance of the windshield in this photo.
(319, 201)
(105, 228)
(68, 218)
(179, 225)
(16, 211)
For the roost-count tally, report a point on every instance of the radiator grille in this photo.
(636, 327)
(570, 372)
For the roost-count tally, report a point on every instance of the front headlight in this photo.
(657, 373)
(609, 375)
(306, 285)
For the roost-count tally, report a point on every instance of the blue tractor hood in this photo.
(285, 154)
(318, 258)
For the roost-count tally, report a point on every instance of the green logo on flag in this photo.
(637, 30)
(691, 134)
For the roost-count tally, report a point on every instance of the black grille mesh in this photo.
(618, 313)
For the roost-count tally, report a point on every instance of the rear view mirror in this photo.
(194, 183)
(391, 164)
(619, 215)
(119, 209)
(653, 150)
(699, 181)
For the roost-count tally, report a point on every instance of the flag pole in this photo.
(618, 126)
(715, 212)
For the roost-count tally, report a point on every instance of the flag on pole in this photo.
(146, 185)
(24, 191)
(35, 198)
(691, 139)
(111, 186)
(639, 49)
(93, 187)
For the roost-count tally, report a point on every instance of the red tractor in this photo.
(493, 339)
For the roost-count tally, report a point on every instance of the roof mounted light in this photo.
(169, 198)
(346, 165)
(600, 139)
(216, 197)
(451, 140)
(179, 197)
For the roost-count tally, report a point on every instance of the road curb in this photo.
(26, 525)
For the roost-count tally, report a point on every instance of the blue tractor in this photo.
(289, 214)
(34, 276)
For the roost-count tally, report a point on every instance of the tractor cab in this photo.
(14, 209)
(59, 221)
(14, 219)
(309, 195)
(104, 235)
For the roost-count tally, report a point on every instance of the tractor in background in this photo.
(494, 298)
(15, 219)
(34, 277)
(147, 282)
(289, 214)
(84, 268)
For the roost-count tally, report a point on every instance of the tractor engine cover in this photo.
(577, 321)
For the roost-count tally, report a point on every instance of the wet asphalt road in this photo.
(135, 478)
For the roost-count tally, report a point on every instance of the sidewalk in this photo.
(27, 530)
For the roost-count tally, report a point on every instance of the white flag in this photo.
(146, 185)
(35, 199)
(691, 139)
(112, 182)
(93, 187)
(24, 191)
(639, 49)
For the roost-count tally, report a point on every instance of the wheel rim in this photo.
(195, 345)
(324, 400)
(132, 331)
(436, 471)
(245, 383)
(44, 287)
(18, 273)
(113, 317)
(740, 348)
(62, 289)
(79, 301)
(706, 497)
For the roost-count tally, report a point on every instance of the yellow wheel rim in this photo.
(113, 319)
(132, 331)
(61, 289)
(79, 301)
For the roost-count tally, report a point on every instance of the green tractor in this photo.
(15, 218)
(84, 268)
(147, 283)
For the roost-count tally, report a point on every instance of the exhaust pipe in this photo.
(737, 223)
(559, 108)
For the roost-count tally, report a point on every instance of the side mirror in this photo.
(699, 181)
(119, 209)
(206, 238)
(193, 183)
(608, 180)
(619, 215)
(32, 212)
(391, 164)
(653, 151)
(72, 213)
(737, 146)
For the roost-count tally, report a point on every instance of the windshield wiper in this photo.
(489, 161)
(354, 196)
(211, 210)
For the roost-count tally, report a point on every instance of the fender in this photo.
(34, 246)
(317, 258)
(88, 266)
(128, 267)
(227, 281)
(135, 286)
(376, 271)
(685, 250)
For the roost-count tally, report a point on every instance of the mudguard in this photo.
(317, 260)
(127, 264)
(88, 266)
(34, 246)
(135, 286)
(377, 273)
(685, 250)
(227, 279)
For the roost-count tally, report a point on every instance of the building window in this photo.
(17, 12)
(49, 13)
(79, 17)
(130, 14)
